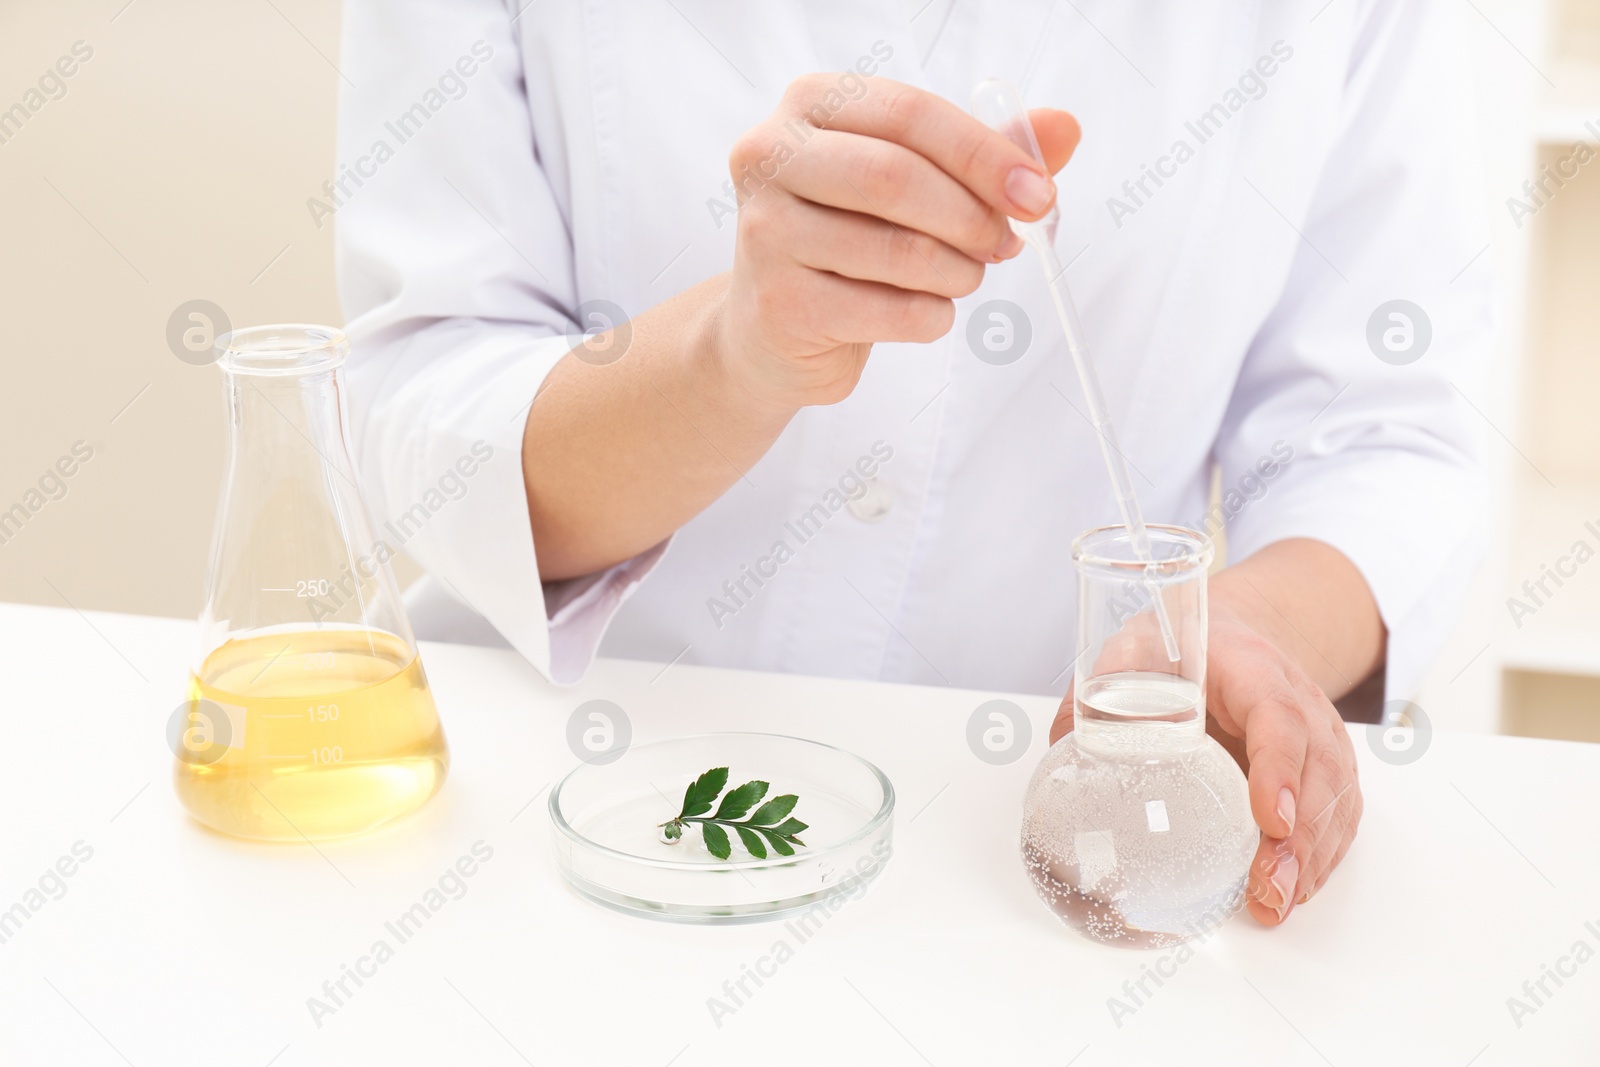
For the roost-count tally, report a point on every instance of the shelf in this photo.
(1570, 111)
(1560, 372)
(1568, 125)
(1558, 706)
(1574, 652)
(1562, 633)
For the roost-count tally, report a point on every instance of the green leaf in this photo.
(716, 839)
(752, 842)
(789, 827)
(739, 801)
(779, 844)
(702, 791)
(757, 833)
(774, 810)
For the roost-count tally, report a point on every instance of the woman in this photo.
(822, 419)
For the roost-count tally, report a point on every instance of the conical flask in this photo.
(308, 714)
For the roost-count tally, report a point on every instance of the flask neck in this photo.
(295, 546)
(288, 426)
(1138, 741)
(1139, 715)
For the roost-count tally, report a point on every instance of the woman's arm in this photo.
(1310, 601)
(616, 456)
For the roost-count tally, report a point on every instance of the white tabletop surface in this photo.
(1477, 867)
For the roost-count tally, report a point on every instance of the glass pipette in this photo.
(998, 105)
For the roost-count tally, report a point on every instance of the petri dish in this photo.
(605, 819)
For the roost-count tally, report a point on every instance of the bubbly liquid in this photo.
(327, 733)
(1136, 827)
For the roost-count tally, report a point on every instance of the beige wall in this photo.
(175, 167)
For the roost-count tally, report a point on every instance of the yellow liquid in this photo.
(327, 733)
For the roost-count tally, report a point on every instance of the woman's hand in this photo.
(865, 207)
(861, 218)
(1290, 740)
(1278, 722)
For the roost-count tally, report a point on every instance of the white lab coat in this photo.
(578, 152)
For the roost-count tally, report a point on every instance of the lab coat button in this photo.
(873, 504)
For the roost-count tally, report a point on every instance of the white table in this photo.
(1476, 866)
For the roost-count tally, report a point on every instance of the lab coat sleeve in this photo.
(456, 273)
(1386, 458)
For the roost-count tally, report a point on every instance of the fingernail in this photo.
(1286, 808)
(1029, 190)
(1280, 849)
(1010, 246)
(1284, 876)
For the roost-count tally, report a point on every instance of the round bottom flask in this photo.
(1136, 827)
(1136, 834)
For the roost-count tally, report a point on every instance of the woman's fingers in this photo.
(844, 311)
(1349, 836)
(1135, 647)
(1138, 646)
(1276, 747)
(873, 176)
(1301, 768)
(882, 178)
(870, 249)
(1276, 743)
(997, 171)
(1288, 873)
(1062, 725)
(1058, 134)
(860, 220)
(1274, 876)
(1328, 830)
(1289, 868)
